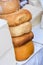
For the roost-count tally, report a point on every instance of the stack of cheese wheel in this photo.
(20, 28)
(21, 34)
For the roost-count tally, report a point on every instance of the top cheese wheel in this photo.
(9, 6)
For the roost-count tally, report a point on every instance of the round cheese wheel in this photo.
(17, 18)
(21, 40)
(9, 6)
(24, 52)
(20, 29)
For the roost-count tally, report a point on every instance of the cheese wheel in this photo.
(18, 17)
(21, 29)
(24, 52)
(9, 6)
(21, 40)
